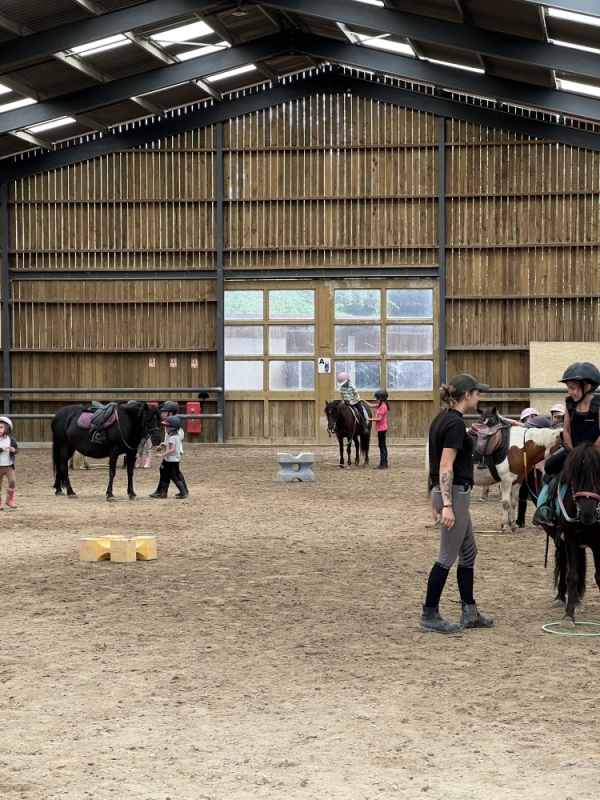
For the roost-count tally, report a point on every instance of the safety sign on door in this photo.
(324, 366)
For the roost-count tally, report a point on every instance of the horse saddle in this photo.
(359, 414)
(491, 446)
(97, 416)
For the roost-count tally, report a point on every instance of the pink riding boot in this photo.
(138, 462)
(10, 498)
(147, 463)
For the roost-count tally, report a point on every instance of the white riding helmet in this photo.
(529, 412)
(343, 377)
(7, 421)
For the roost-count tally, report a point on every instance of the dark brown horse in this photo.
(580, 517)
(134, 422)
(347, 422)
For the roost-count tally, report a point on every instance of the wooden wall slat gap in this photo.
(518, 245)
(502, 143)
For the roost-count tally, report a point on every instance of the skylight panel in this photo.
(383, 43)
(54, 123)
(578, 88)
(575, 46)
(456, 66)
(24, 101)
(371, 2)
(4, 89)
(182, 34)
(109, 43)
(202, 50)
(572, 16)
(230, 73)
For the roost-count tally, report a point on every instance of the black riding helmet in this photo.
(170, 406)
(381, 394)
(582, 372)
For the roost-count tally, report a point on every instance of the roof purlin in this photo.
(64, 37)
(514, 92)
(144, 83)
(465, 37)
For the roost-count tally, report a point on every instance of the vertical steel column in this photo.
(6, 315)
(220, 186)
(442, 246)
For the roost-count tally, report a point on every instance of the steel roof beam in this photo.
(144, 83)
(412, 69)
(449, 34)
(317, 84)
(44, 43)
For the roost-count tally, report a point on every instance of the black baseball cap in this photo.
(466, 383)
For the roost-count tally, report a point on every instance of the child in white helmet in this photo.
(8, 450)
(171, 456)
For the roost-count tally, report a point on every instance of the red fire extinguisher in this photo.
(194, 425)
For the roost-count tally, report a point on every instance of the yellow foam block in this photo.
(122, 550)
(145, 547)
(96, 549)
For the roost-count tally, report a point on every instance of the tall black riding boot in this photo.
(183, 490)
(162, 490)
(521, 513)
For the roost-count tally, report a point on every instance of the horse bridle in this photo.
(575, 495)
(147, 431)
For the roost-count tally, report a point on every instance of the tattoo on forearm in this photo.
(446, 483)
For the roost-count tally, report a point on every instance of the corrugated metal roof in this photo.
(322, 27)
(566, 31)
(528, 73)
(507, 16)
(10, 145)
(123, 61)
(40, 15)
(52, 76)
(289, 65)
(116, 114)
(252, 26)
(115, 5)
(442, 9)
(177, 96)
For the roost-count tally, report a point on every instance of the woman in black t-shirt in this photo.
(451, 480)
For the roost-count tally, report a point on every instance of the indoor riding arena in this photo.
(224, 204)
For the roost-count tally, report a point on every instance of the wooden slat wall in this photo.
(523, 250)
(331, 180)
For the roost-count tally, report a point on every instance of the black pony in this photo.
(349, 423)
(580, 517)
(134, 423)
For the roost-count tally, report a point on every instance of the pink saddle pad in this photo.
(85, 421)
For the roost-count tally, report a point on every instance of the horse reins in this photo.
(575, 495)
(147, 431)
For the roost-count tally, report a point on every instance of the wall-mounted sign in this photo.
(194, 363)
(324, 366)
(151, 363)
(172, 363)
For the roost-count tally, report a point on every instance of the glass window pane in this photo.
(292, 339)
(292, 304)
(410, 303)
(292, 375)
(359, 339)
(243, 375)
(409, 339)
(357, 304)
(244, 305)
(244, 340)
(410, 375)
(363, 374)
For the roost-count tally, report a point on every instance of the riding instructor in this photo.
(451, 480)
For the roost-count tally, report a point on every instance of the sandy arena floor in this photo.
(272, 650)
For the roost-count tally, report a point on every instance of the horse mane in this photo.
(544, 437)
(582, 468)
